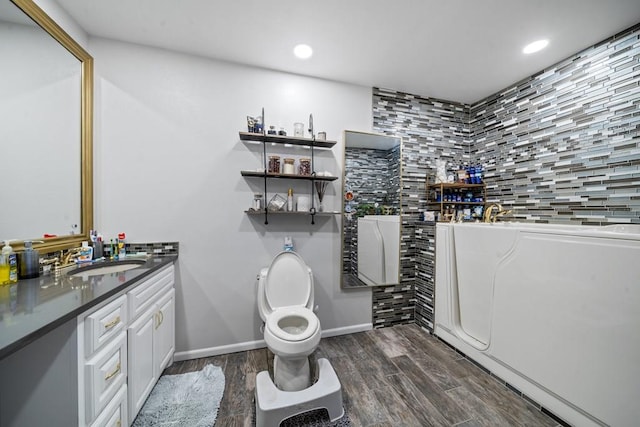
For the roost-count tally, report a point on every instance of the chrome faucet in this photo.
(490, 216)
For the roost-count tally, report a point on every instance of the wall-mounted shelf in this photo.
(253, 213)
(288, 176)
(288, 141)
(448, 208)
(291, 140)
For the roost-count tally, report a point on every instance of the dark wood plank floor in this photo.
(399, 376)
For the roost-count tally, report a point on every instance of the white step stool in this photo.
(274, 406)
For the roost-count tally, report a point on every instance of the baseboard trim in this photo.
(252, 345)
(347, 330)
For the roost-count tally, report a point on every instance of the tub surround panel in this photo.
(489, 307)
(562, 146)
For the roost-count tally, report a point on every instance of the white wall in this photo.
(167, 168)
(64, 20)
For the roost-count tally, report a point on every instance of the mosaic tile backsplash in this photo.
(561, 146)
(156, 248)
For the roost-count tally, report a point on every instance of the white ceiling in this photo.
(459, 50)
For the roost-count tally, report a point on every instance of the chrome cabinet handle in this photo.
(113, 374)
(113, 323)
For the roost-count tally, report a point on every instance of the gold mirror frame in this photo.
(344, 203)
(34, 12)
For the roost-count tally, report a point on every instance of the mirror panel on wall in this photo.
(46, 129)
(371, 204)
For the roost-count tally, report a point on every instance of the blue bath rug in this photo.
(191, 399)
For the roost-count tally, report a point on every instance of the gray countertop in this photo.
(33, 307)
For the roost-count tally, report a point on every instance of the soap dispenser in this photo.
(28, 262)
(9, 263)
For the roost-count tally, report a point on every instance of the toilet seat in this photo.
(275, 327)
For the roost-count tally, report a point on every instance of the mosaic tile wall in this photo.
(430, 129)
(374, 177)
(561, 146)
(158, 248)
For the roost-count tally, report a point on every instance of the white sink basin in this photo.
(101, 268)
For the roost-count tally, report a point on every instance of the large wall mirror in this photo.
(371, 224)
(46, 130)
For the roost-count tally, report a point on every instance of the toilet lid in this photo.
(288, 281)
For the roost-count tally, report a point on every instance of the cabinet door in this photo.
(141, 367)
(164, 335)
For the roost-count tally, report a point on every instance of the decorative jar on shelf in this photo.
(305, 166)
(274, 164)
(288, 168)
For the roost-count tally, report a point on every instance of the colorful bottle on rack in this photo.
(122, 249)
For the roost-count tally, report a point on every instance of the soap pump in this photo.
(10, 263)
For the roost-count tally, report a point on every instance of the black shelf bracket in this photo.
(264, 165)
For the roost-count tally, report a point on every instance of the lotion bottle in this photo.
(290, 200)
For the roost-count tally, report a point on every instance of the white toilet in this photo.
(292, 332)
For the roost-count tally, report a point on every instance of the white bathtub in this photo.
(553, 310)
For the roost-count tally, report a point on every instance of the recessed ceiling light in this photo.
(303, 51)
(535, 46)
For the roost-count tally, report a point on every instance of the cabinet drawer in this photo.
(141, 298)
(104, 324)
(115, 414)
(105, 374)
